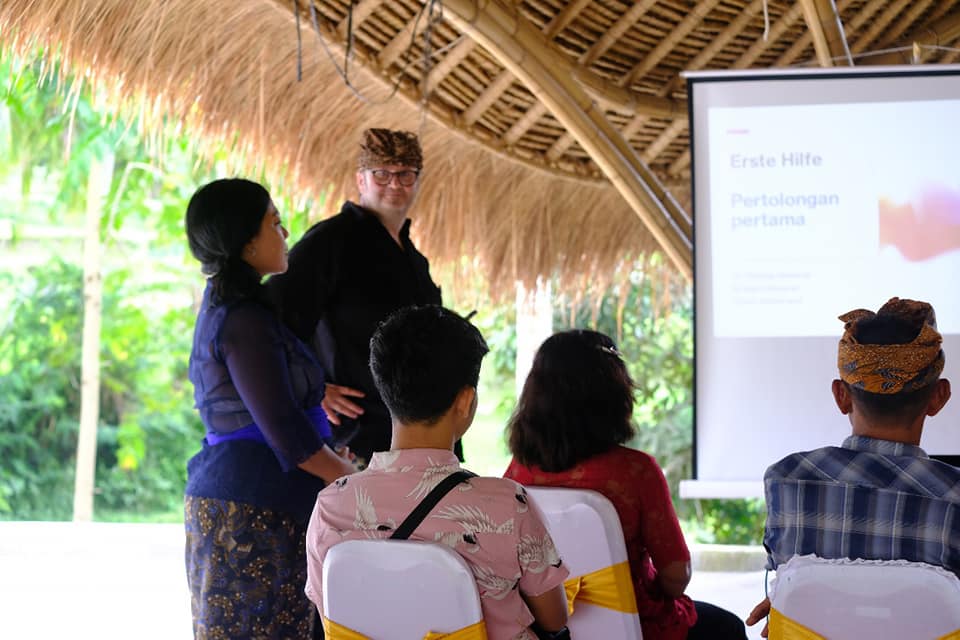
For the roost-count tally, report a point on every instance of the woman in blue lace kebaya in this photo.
(251, 488)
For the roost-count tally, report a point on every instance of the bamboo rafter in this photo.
(879, 25)
(804, 42)
(607, 67)
(917, 9)
(449, 62)
(760, 45)
(690, 22)
(680, 164)
(565, 17)
(613, 34)
(679, 126)
(520, 49)
(825, 30)
(401, 42)
(521, 126)
(361, 11)
(943, 31)
(863, 16)
(665, 138)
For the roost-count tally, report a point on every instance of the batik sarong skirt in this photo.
(246, 567)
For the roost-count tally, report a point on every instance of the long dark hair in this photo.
(577, 402)
(222, 217)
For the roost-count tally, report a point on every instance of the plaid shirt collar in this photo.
(883, 447)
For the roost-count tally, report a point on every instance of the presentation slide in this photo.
(815, 193)
(798, 192)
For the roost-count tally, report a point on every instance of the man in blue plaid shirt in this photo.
(878, 495)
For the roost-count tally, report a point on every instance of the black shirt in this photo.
(346, 275)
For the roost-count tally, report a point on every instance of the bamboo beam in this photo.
(663, 140)
(560, 146)
(940, 33)
(610, 96)
(614, 97)
(776, 32)
(706, 54)
(801, 44)
(863, 15)
(688, 24)
(790, 55)
(717, 44)
(489, 95)
(879, 25)
(917, 9)
(361, 12)
(633, 126)
(564, 18)
(450, 61)
(681, 163)
(613, 34)
(401, 42)
(523, 124)
(454, 121)
(523, 51)
(824, 28)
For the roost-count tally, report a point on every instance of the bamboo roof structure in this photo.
(555, 132)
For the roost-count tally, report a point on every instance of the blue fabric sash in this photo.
(252, 432)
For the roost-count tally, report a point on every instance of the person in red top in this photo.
(572, 418)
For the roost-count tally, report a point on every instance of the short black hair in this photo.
(421, 357)
(889, 407)
(576, 402)
(221, 218)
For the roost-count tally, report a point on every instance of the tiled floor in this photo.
(121, 581)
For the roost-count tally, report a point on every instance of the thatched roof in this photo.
(555, 131)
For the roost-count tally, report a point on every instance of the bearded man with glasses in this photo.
(350, 272)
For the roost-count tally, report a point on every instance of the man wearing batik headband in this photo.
(878, 496)
(348, 273)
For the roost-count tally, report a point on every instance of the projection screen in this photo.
(815, 192)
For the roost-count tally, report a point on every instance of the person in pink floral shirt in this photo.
(426, 363)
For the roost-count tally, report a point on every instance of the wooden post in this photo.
(98, 187)
(534, 325)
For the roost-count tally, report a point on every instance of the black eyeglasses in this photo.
(383, 177)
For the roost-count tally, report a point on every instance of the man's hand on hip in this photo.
(336, 402)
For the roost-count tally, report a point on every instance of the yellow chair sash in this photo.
(477, 631)
(784, 628)
(610, 587)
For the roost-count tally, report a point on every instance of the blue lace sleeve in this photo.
(251, 343)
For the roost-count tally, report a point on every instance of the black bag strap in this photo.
(412, 521)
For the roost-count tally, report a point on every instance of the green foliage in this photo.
(656, 341)
(39, 397)
(728, 521)
(147, 427)
(652, 323)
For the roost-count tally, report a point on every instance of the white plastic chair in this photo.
(398, 589)
(580, 521)
(875, 599)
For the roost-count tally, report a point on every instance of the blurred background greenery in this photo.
(147, 427)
